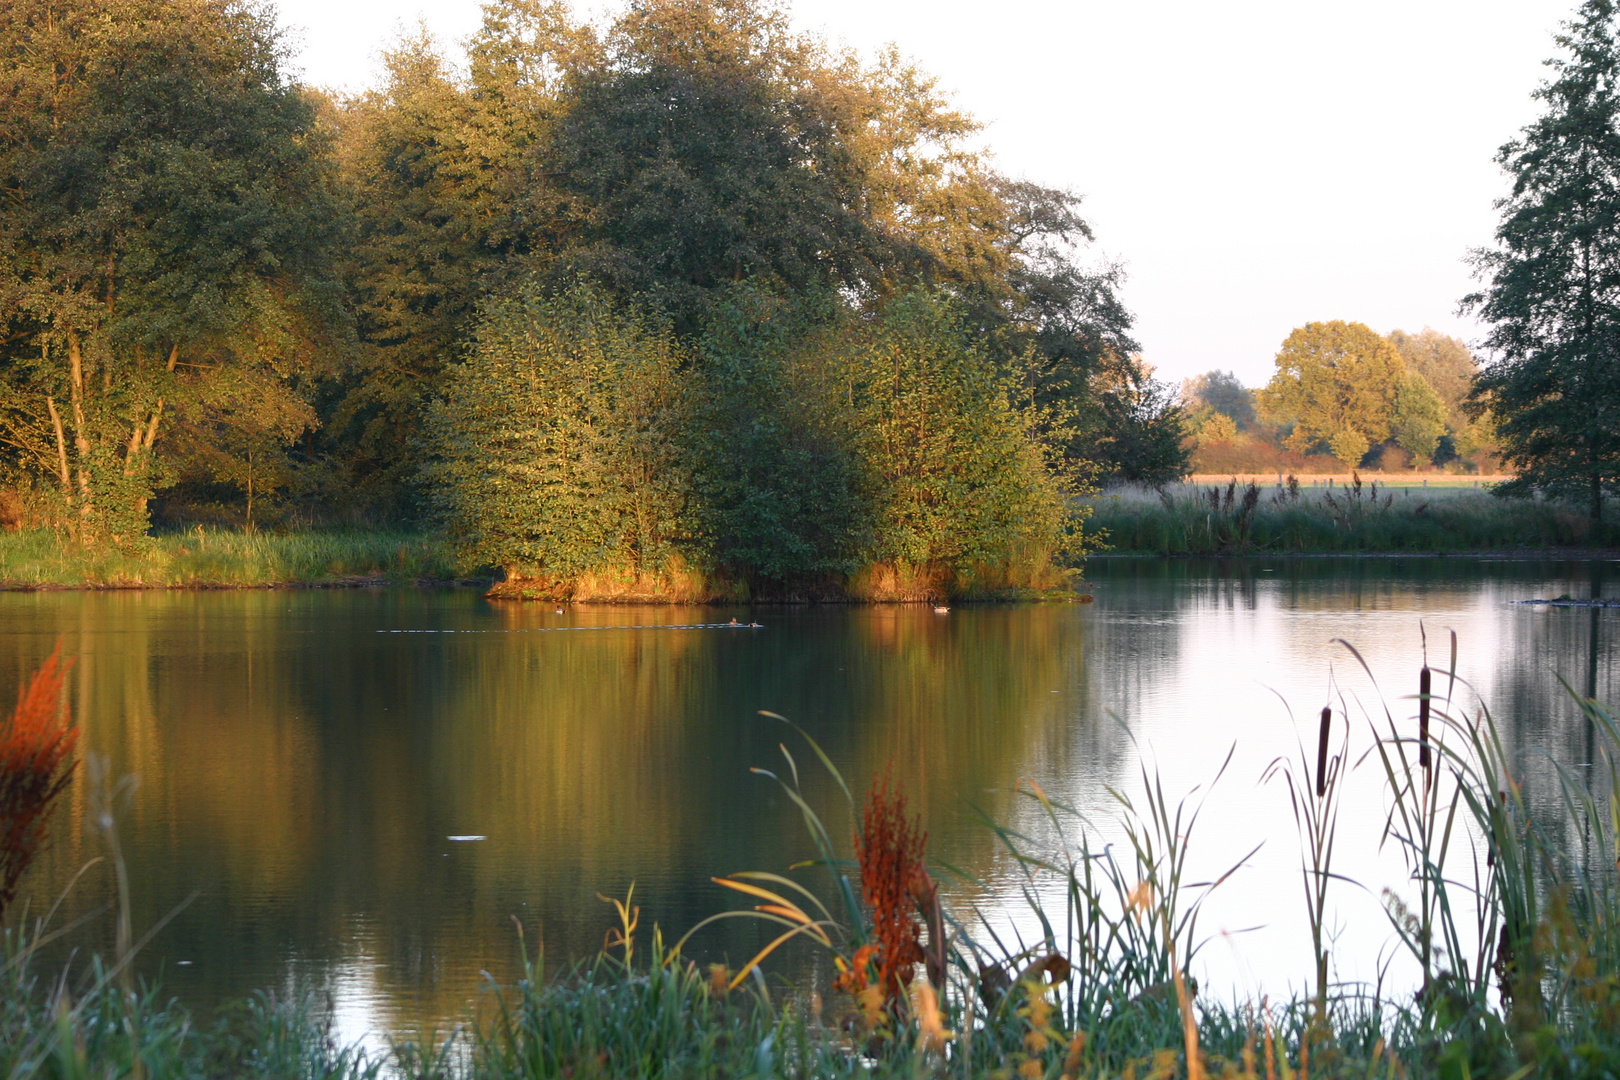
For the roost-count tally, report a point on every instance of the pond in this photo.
(287, 768)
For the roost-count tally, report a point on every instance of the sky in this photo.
(1253, 164)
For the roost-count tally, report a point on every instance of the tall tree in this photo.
(1337, 383)
(1419, 418)
(446, 210)
(1552, 292)
(163, 252)
(1131, 425)
(1448, 365)
(707, 144)
(1221, 392)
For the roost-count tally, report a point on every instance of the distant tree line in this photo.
(1344, 397)
(687, 285)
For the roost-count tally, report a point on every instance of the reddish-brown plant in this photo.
(890, 850)
(36, 744)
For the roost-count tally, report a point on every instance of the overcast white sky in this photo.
(1255, 164)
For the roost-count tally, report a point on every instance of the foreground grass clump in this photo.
(1236, 519)
(227, 559)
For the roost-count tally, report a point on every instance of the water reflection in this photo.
(301, 767)
(301, 771)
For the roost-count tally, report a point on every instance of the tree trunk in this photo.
(81, 438)
(63, 473)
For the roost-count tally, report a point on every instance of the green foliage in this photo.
(163, 256)
(795, 447)
(1212, 426)
(444, 209)
(795, 172)
(1337, 384)
(1446, 363)
(1419, 418)
(1221, 392)
(1552, 290)
(953, 470)
(558, 444)
(751, 181)
(218, 286)
(1135, 425)
(775, 471)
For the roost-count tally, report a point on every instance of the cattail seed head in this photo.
(1423, 718)
(1321, 753)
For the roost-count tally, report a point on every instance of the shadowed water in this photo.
(301, 766)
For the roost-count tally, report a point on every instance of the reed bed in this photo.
(207, 558)
(1515, 934)
(1360, 517)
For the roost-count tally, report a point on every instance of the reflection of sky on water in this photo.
(301, 772)
(1202, 665)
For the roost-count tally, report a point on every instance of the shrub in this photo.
(558, 443)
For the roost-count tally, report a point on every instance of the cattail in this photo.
(1321, 753)
(1423, 718)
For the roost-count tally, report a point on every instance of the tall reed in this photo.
(1237, 519)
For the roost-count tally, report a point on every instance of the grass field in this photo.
(206, 558)
(1237, 518)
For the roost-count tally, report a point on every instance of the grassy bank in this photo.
(1237, 518)
(206, 558)
(1514, 931)
(224, 558)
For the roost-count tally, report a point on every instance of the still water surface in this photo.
(301, 764)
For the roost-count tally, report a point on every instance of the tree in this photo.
(1222, 392)
(1337, 384)
(446, 210)
(703, 148)
(1136, 427)
(1214, 426)
(165, 244)
(1552, 282)
(1419, 418)
(1449, 366)
(775, 470)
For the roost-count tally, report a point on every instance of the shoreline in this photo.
(488, 585)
